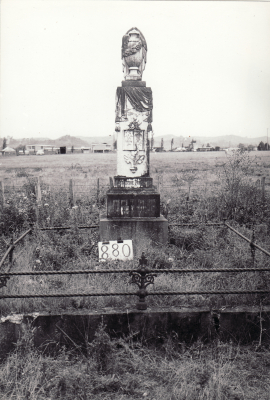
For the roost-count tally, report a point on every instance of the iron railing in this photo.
(142, 276)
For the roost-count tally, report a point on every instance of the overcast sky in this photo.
(208, 64)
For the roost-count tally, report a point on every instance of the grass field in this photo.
(192, 190)
(127, 370)
(102, 164)
(194, 187)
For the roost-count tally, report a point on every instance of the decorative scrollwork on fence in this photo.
(142, 280)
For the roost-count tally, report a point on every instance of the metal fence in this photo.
(143, 276)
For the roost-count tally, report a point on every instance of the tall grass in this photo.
(200, 247)
(203, 247)
(125, 369)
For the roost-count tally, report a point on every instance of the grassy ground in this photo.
(122, 369)
(127, 370)
(199, 247)
(104, 165)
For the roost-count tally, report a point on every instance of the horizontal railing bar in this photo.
(96, 226)
(211, 292)
(67, 272)
(199, 223)
(67, 227)
(119, 271)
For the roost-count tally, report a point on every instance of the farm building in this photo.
(74, 150)
(206, 148)
(101, 148)
(85, 150)
(47, 148)
(8, 151)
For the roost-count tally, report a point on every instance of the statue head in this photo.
(134, 49)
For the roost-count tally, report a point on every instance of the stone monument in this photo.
(133, 203)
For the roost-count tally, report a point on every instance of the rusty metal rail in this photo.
(11, 247)
(152, 293)
(250, 241)
(142, 277)
(59, 228)
(125, 271)
(198, 224)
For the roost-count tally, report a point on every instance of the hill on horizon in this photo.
(84, 141)
(66, 140)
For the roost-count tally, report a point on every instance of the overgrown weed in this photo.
(127, 369)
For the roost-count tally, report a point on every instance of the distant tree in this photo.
(250, 147)
(172, 144)
(19, 148)
(266, 146)
(162, 144)
(4, 143)
(208, 145)
(115, 144)
(72, 149)
(261, 146)
(241, 146)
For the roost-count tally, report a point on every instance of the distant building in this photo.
(205, 148)
(8, 151)
(101, 148)
(74, 150)
(47, 148)
(86, 150)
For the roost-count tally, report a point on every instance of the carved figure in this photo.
(134, 158)
(134, 49)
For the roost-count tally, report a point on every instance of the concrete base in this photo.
(240, 324)
(144, 232)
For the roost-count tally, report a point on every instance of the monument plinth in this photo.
(133, 204)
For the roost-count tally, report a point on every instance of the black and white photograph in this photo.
(134, 200)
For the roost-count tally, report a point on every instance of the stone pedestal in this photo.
(145, 232)
(133, 203)
(133, 212)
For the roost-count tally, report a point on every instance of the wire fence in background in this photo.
(56, 199)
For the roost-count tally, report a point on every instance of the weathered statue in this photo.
(133, 203)
(134, 106)
(134, 49)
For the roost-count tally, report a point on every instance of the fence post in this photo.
(71, 193)
(38, 193)
(37, 214)
(98, 191)
(2, 194)
(263, 187)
